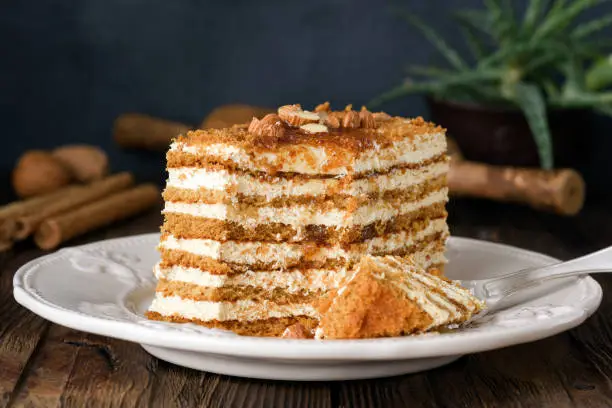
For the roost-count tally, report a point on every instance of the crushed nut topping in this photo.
(351, 119)
(323, 107)
(367, 119)
(334, 119)
(269, 125)
(381, 116)
(322, 119)
(294, 115)
(314, 128)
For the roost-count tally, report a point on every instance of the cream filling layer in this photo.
(300, 215)
(292, 281)
(194, 178)
(280, 255)
(307, 159)
(246, 310)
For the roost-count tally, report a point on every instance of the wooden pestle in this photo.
(137, 131)
(560, 191)
(228, 115)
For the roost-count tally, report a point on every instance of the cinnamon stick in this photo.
(560, 191)
(55, 230)
(28, 223)
(138, 131)
(10, 212)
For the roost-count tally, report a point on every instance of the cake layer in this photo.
(301, 215)
(210, 185)
(390, 220)
(294, 281)
(273, 327)
(337, 151)
(222, 257)
(191, 291)
(245, 310)
(336, 200)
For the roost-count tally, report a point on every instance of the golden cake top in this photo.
(322, 141)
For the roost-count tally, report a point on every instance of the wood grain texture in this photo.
(45, 365)
(49, 370)
(20, 330)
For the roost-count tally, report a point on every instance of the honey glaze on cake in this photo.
(353, 139)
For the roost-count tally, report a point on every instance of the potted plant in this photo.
(534, 78)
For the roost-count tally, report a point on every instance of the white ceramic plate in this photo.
(105, 287)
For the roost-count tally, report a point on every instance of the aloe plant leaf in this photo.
(557, 5)
(442, 85)
(574, 74)
(588, 28)
(539, 61)
(604, 109)
(580, 99)
(502, 18)
(559, 18)
(495, 8)
(523, 53)
(476, 46)
(407, 88)
(478, 20)
(433, 72)
(447, 51)
(467, 78)
(535, 9)
(551, 88)
(506, 54)
(599, 75)
(530, 100)
(597, 45)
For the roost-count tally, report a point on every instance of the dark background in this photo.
(69, 68)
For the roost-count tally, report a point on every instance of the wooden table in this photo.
(46, 365)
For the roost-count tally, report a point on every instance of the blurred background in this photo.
(69, 69)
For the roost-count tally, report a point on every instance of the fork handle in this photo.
(503, 286)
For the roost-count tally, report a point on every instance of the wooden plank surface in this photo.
(45, 365)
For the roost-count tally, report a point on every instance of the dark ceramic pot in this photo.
(502, 136)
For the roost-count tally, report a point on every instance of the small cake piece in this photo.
(390, 296)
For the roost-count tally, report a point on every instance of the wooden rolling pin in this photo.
(560, 191)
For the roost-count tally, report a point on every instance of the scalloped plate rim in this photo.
(332, 350)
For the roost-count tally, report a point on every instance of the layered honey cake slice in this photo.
(290, 180)
(392, 296)
(263, 218)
